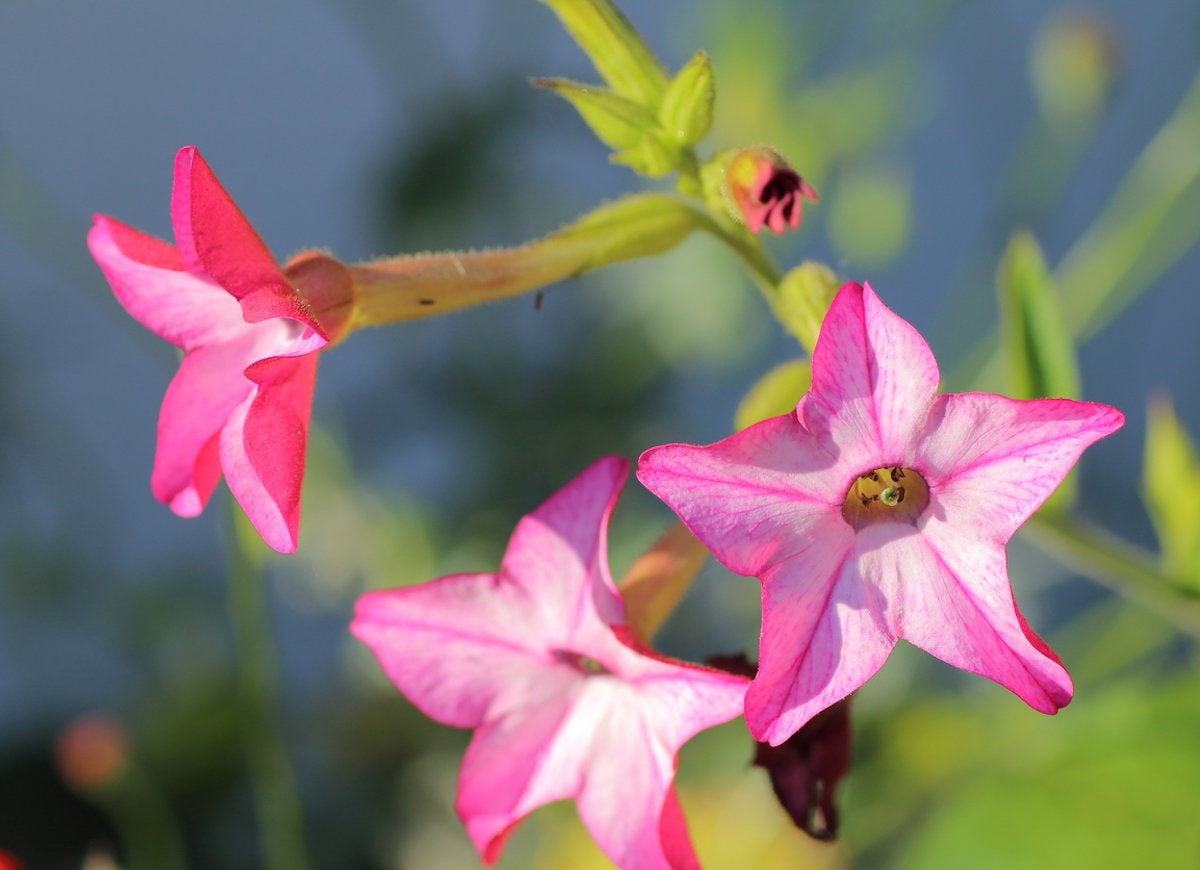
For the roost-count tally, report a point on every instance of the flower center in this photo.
(893, 493)
(584, 664)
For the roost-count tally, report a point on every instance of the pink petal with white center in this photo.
(992, 460)
(147, 277)
(263, 446)
(460, 648)
(755, 497)
(958, 605)
(823, 635)
(559, 553)
(874, 380)
(215, 240)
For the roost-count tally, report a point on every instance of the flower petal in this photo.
(559, 553)
(823, 636)
(206, 390)
(263, 445)
(874, 380)
(958, 606)
(215, 239)
(992, 461)
(625, 793)
(533, 755)
(756, 497)
(147, 277)
(460, 647)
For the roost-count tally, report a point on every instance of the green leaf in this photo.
(617, 122)
(617, 51)
(1149, 223)
(776, 392)
(1171, 491)
(1034, 332)
(686, 111)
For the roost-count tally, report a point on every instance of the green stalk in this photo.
(275, 792)
(1120, 566)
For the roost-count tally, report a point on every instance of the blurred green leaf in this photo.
(777, 392)
(869, 217)
(1151, 221)
(1111, 785)
(1171, 491)
(1041, 354)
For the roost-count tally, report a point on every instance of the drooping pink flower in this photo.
(565, 703)
(241, 400)
(878, 510)
(767, 191)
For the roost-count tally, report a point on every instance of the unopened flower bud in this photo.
(766, 191)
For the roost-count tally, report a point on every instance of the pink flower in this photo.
(767, 191)
(878, 510)
(240, 402)
(564, 702)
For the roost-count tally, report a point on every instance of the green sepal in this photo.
(776, 392)
(618, 122)
(651, 156)
(1040, 350)
(686, 111)
(1171, 492)
(803, 299)
(617, 51)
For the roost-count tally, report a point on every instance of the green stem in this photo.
(762, 269)
(275, 791)
(1126, 569)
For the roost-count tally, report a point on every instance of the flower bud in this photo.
(686, 111)
(765, 191)
(805, 294)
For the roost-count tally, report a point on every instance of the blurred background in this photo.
(932, 129)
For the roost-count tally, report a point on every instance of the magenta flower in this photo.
(564, 702)
(878, 510)
(241, 399)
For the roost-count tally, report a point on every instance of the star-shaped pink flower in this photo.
(241, 400)
(564, 702)
(878, 510)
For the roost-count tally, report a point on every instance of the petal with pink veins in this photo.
(756, 497)
(993, 460)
